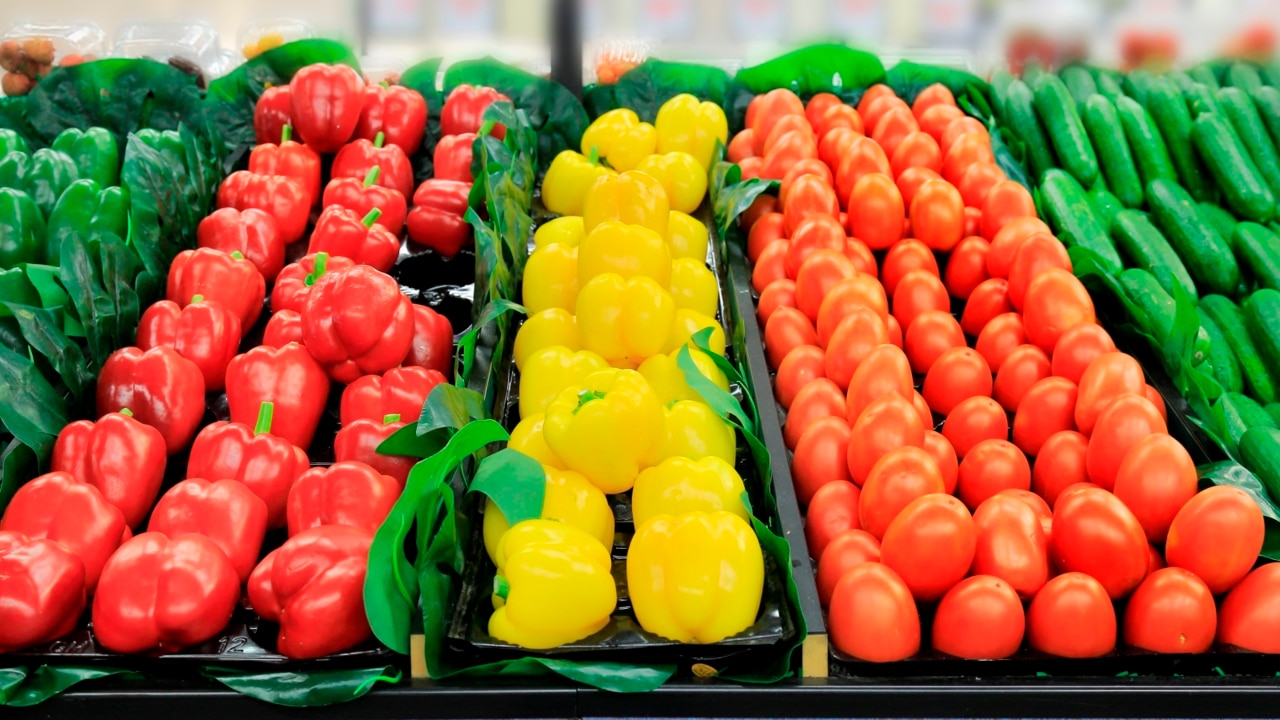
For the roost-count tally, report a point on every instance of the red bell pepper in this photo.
(356, 322)
(361, 196)
(359, 441)
(345, 493)
(432, 341)
(398, 112)
(464, 110)
(272, 113)
(252, 233)
(162, 389)
(161, 593)
(283, 328)
(228, 279)
(204, 332)
(283, 198)
(325, 105)
(121, 457)
(313, 586)
(225, 511)
(400, 391)
(452, 160)
(71, 513)
(287, 377)
(294, 283)
(437, 218)
(358, 157)
(253, 455)
(43, 590)
(342, 233)
(290, 159)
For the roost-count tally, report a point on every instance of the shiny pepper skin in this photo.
(568, 179)
(160, 387)
(223, 278)
(437, 219)
(289, 159)
(687, 237)
(569, 499)
(272, 112)
(359, 441)
(204, 332)
(626, 250)
(695, 431)
(345, 493)
(619, 137)
(551, 279)
(398, 112)
(296, 280)
(43, 589)
(632, 197)
(550, 327)
(356, 322)
(400, 391)
(680, 485)
(526, 437)
(452, 158)
(325, 105)
(288, 378)
(686, 125)
(284, 327)
(625, 321)
(362, 195)
(342, 233)
(121, 457)
(432, 346)
(463, 110)
(667, 379)
(252, 233)
(550, 370)
(684, 180)
(358, 157)
(281, 197)
(225, 511)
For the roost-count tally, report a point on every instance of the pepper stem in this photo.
(371, 177)
(286, 134)
(586, 396)
(392, 418)
(266, 413)
(318, 268)
(237, 255)
(371, 218)
(126, 412)
(378, 139)
(594, 156)
(501, 587)
(196, 298)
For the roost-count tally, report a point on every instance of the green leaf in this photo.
(29, 406)
(313, 688)
(1236, 475)
(732, 199)
(515, 482)
(19, 464)
(50, 680)
(647, 86)
(160, 210)
(810, 70)
(612, 677)
(466, 349)
(42, 329)
(10, 679)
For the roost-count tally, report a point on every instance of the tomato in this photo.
(937, 215)
(878, 109)
(876, 211)
(958, 128)
(820, 457)
(847, 549)
(751, 167)
(1048, 407)
(897, 478)
(974, 420)
(1005, 201)
(1072, 617)
(906, 255)
(922, 409)
(767, 230)
(938, 118)
(740, 147)
(944, 455)
(1216, 535)
(885, 370)
(930, 545)
(1006, 243)
(977, 181)
(816, 232)
(895, 332)
(816, 400)
(1055, 302)
(1109, 376)
(910, 180)
(885, 425)
(772, 265)
(831, 147)
(1157, 399)
(1250, 616)
(873, 93)
(858, 291)
(1155, 561)
(935, 94)
(838, 117)
(761, 206)
(860, 255)
(819, 272)
(967, 267)
(1011, 544)
(1121, 425)
(965, 151)
(1059, 464)
(787, 124)
(833, 509)
(770, 108)
(787, 150)
(1037, 505)
(810, 195)
(787, 328)
(802, 364)
(999, 337)
(989, 467)
(819, 104)
(1172, 611)
(918, 292)
(932, 333)
(872, 615)
(1077, 348)
(960, 373)
(858, 334)
(861, 156)
(1094, 533)
(893, 127)
(980, 618)
(779, 293)
(989, 299)
(809, 166)
(1022, 369)
(1035, 254)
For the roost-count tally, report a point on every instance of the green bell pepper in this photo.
(22, 229)
(94, 151)
(14, 167)
(169, 144)
(87, 211)
(50, 173)
(11, 141)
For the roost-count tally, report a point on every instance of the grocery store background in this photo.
(973, 33)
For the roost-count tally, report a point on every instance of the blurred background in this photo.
(389, 34)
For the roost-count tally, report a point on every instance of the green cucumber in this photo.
(1274, 411)
(1065, 129)
(1270, 71)
(1073, 219)
(1102, 123)
(1000, 80)
(1108, 85)
(1259, 382)
(1201, 99)
(1105, 205)
(1145, 142)
(1021, 116)
(1139, 240)
(1262, 317)
(1260, 453)
(1245, 120)
(1244, 76)
(1258, 252)
(1267, 100)
(1204, 75)
(1226, 368)
(1079, 82)
(1136, 84)
(1169, 113)
(1239, 413)
(1218, 219)
(1180, 79)
(1204, 253)
(1158, 310)
(1032, 71)
(1242, 185)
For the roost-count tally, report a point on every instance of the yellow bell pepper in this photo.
(553, 326)
(686, 237)
(680, 485)
(550, 370)
(628, 250)
(686, 125)
(620, 138)
(556, 586)
(625, 321)
(687, 324)
(693, 286)
(697, 577)
(632, 197)
(571, 175)
(694, 431)
(527, 438)
(681, 176)
(566, 231)
(569, 499)
(551, 279)
(608, 428)
(665, 377)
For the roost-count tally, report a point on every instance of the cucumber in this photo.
(1139, 240)
(1032, 71)
(1242, 185)
(1206, 255)
(1105, 205)
(1244, 76)
(1218, 219)
(1267, 100)
(1260, 452)
(1145, 142)
(1201, 99)
(1073, 219)
(1262, 317)
(1158, 310)
(1180, 79)
(1136, 84)
(1274, 411)
(1169, 113)
(1204, 75)
(1259, 382)
(1245, 120)
(1066, 131)
(1020, 112)
(1079, 82)
(1270, 72)
(1258, 252)
(1226, 368)
(1102, 123)
(1239, 413)
(1108, 85)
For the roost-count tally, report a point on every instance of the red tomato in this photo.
(999, 337)
(819, 272)
(872, 615)
(838, 117)
(859, 291)
(967, 267)
(893, 127)
(816, 232)
(833, 509)
(972, 220)
(989, 299)
(1047, 408)
(906, 255)
(809, 166)
(788, 150)
(931, 334)
(1077, 348)
(958, 128)
(820, 457)
(1172, 611)
(1005, 201)
(1217, 535)
(740, 147)
(876, 211)
(786, 124)
(766, 110)
(980, 618)
(1021, 370)
(1037, 505)
(887, 424)
(977, 181)
(1155, 561)
(1121, 425)
(895, 332)
(974, 420)
(935, 94)
(751, 167)
(1094, 533)
(858, 252)
(897, 478)
(771, 267)
(922, 409)
(809, 195)
(1109, 376)
(819, 104)
(766, 231)
(787, 329)
(930, 545)
(937, 215)
(1059, 464)
(858, 334)
(859, 157)
(1008, 240)
(960, 373)
(1011, 544)
(878, 109)
(989, 467)
(910, 180)
(1156, 399)
(761, 206)
(1072, 617)
(918, 292)
(802, 364)
(965, 151)
(815, 401)
(873, 93)
(1035, 254)
(938, 118)
(847, 549)
(945, 456)
(885, 370)
(779, 293)
(1250, 616)
(1055, 302)
(832, 147)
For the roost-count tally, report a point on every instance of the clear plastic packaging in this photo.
(189, 46)
(28, 51)
(259, 36)
(612, 59)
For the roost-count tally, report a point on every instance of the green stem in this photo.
(321, 263)
(126, 412)
(501, 587)
(392, 418)
(266, 413)
(196, 298)
(378, 139)
(594, 156)
(371, 218)
(371, 177)
(586, 396)
(237, 255)
(286, 134)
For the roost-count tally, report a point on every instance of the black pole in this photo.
(566, 45)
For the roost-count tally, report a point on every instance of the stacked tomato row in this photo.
(1053, 489)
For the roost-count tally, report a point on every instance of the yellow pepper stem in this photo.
(501, 587)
